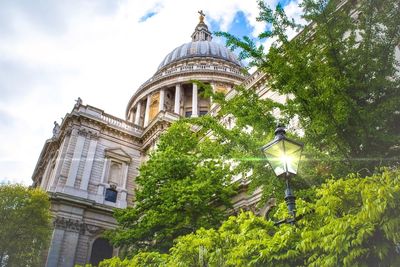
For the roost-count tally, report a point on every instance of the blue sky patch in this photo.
(240, 26)
(285, 2)
(147, 16)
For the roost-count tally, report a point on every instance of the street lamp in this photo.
(283, 154)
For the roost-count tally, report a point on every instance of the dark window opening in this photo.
(101, 250)
(203, 112)
(188, 114)
(111, 195)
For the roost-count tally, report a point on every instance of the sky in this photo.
(52, 52)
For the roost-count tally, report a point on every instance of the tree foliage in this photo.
(183, 186)
(341, 75)
(341, 86)
(354, 221)
(25, 225)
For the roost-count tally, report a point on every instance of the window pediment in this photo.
(118, 154)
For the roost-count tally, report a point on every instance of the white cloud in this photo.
(55, 51)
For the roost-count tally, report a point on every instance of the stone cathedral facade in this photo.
(89, 165)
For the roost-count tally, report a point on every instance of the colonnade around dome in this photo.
(185, 100)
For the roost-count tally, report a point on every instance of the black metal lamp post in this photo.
(283, 154)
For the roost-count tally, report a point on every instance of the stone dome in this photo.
(172, 89)
(202, 48)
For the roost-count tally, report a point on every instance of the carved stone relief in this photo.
(76, 226)
(69, 225)
(88, 133)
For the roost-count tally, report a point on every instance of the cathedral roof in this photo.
(200, 46)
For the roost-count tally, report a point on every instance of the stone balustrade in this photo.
(110, 119)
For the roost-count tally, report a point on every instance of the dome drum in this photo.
(190, 69)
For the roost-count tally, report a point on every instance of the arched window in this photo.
(101, 250)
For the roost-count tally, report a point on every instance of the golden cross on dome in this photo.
(202, 15)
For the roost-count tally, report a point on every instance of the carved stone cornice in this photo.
(93, 229)
(69, 225)
(88, 133)
(77, 226)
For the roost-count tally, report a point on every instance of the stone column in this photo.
(55, 248)
(88, 164)
(195, 111)
(162, 100)
(177, 107)
(76, 159)
(147, 111)
(138, 110)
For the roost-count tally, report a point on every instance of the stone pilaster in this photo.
(71, 242)
(45, 178)
(64, 242)
(76, 159)
(88, 164)
(61, 159)
(55, 247)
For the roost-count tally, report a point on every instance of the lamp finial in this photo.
(280, 130)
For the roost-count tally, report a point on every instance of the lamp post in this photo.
(283, 154)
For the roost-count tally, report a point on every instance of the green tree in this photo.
(340, 73)
(354, 221)
(25, 225)
(148, 259)
(183, 186)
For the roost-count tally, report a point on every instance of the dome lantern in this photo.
(201, 32)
